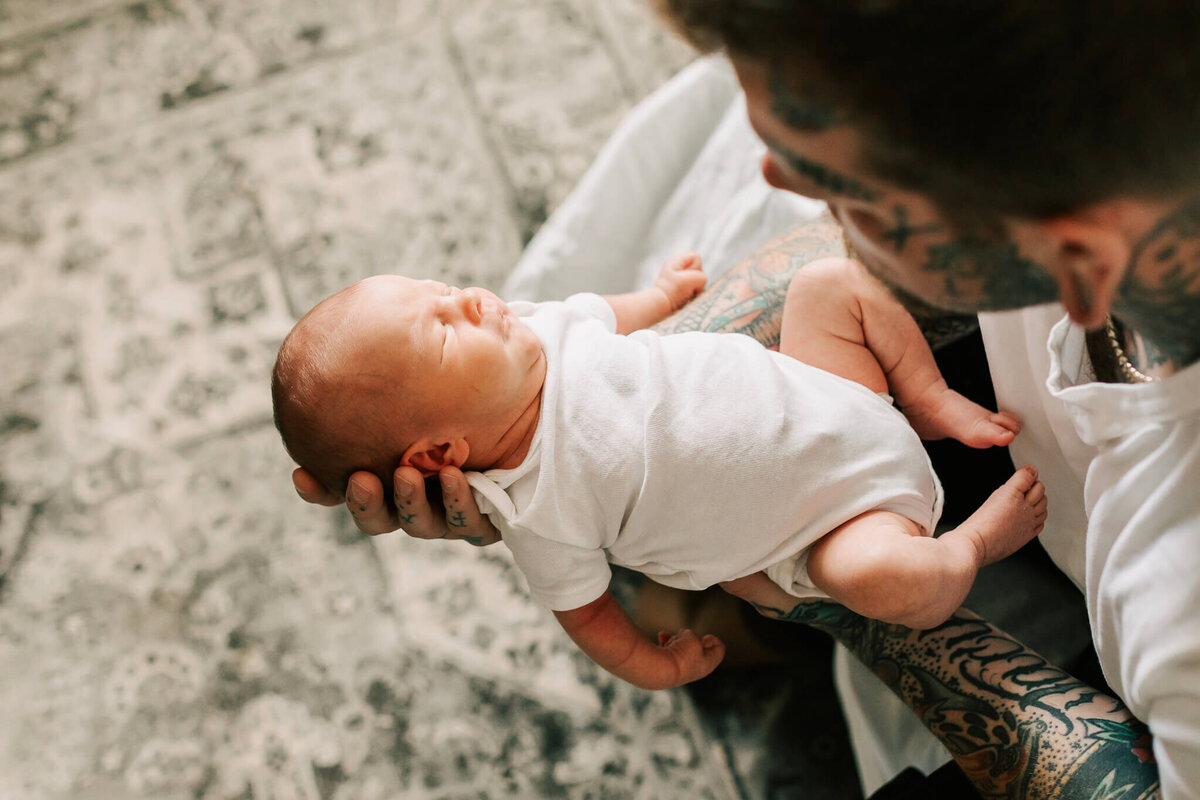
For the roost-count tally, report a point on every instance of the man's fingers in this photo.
(421, 518)
(463, 519)
(311, 490)
(415, 514)
(364, 498)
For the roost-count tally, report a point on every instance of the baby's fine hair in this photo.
(333, 419)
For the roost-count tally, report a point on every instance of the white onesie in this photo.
(693, 458)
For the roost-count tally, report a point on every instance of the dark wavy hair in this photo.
(1028, 108)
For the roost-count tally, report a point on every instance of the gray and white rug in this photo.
(179, 180)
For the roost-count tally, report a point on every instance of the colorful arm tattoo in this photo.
(749, 298)
(1017, 726)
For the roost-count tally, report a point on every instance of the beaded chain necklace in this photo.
(1131, 373)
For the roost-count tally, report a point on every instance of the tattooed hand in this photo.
(418, 512)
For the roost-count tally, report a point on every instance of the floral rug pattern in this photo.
(179, 180)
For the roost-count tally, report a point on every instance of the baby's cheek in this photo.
(530, 340)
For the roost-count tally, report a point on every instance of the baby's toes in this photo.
(1036, 493)
(993, 432)
(1023, 481)
(1007, 420)
(1041, 507)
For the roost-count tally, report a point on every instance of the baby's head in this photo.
(394, 371)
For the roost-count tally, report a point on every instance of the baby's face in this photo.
(470, 360)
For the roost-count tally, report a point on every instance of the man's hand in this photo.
(414, 514)
(680, 280)
(695, 656)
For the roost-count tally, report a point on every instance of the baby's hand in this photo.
(695, 656)
(681, 279)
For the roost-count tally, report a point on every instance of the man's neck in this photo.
(1159, 298)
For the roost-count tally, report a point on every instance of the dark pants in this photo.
(946, 783)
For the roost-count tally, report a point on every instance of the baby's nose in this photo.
(472, 305)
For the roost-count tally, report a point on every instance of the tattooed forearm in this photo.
(749, 298)
(1017, 726)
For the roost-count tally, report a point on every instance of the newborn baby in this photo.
(696, 459)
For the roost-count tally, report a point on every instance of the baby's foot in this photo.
(947, 413)
(1014, 514)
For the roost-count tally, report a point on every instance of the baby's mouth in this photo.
(502, 319)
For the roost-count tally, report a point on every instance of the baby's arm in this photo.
(679, 281)
(606, 634)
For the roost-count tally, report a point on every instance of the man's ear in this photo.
(428, 457)
(1089, 258)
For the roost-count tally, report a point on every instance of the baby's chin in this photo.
(520, 332)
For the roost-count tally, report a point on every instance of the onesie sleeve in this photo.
(576, 308)
(595, 306)
(561, 576)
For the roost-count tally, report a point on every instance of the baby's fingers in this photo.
(693, 283)
(714, 651)
(695, 656)
(687, 261)
(712, 645)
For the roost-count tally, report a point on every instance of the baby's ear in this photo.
(428, 458)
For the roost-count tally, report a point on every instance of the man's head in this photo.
(984, 154)
(394, 371)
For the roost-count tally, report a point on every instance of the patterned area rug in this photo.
(179, 180)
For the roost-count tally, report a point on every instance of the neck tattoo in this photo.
(1131, 373)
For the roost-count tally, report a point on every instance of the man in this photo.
(1000, 155)
(976, 168)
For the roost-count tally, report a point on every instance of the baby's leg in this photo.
(880, 565)
(839, 318)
